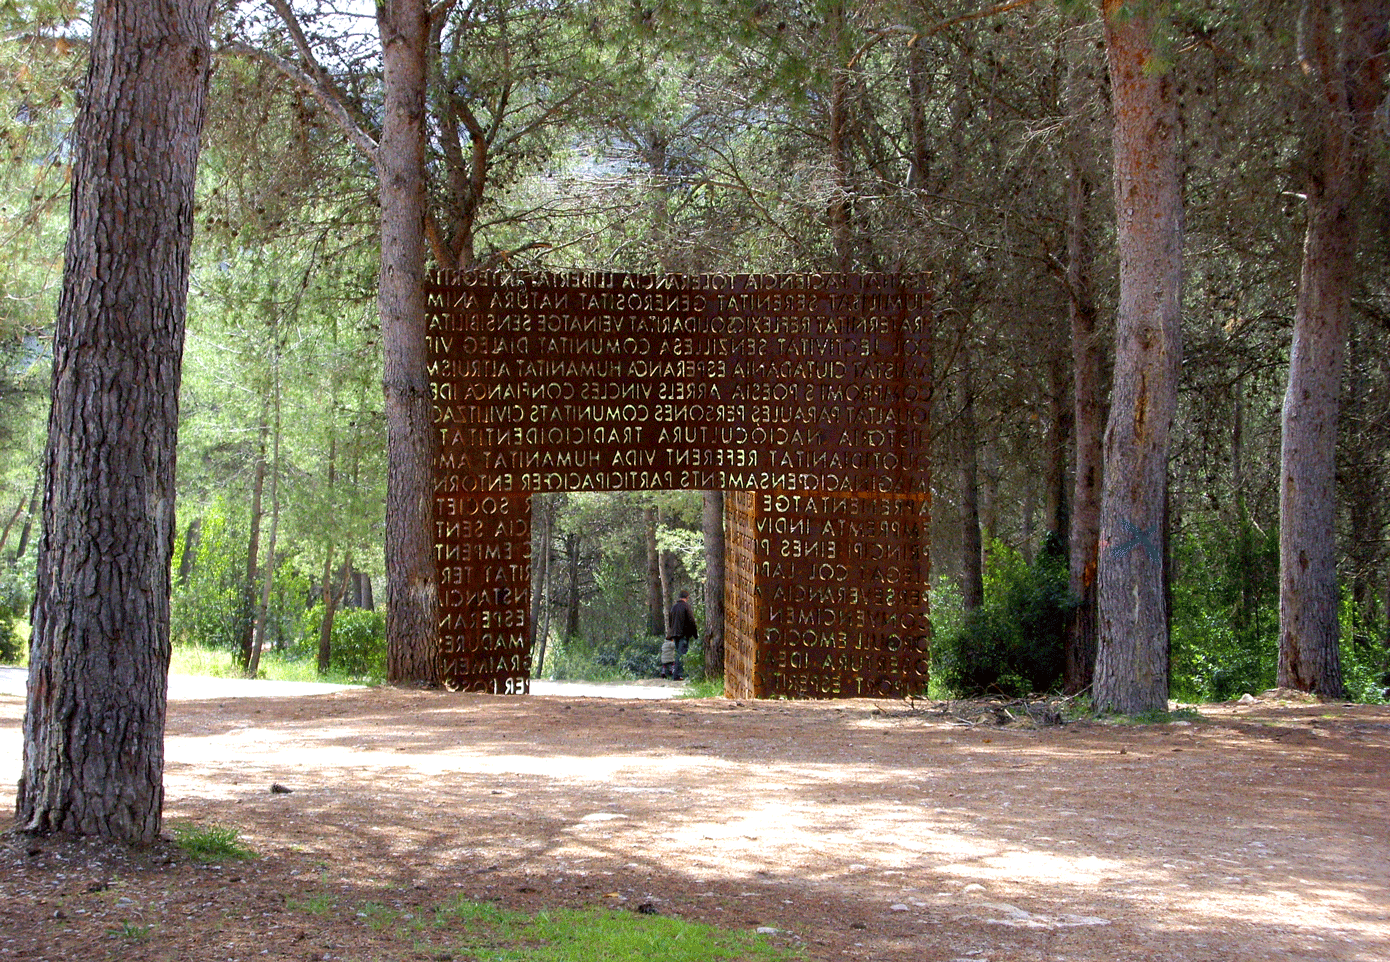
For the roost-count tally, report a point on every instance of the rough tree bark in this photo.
(99, 659)
(1131, 673)
(1087, 354)
(412, 611)
(1347, 66)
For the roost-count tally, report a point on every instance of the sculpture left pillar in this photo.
(483, 543)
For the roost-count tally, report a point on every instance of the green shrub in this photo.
(1365, 660)
(208, 610)
(14, 604)
(1225, 629)
(211, 609)
(1013, 643)
(358, 643)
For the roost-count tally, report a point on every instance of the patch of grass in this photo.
(1156, 717)
(379, 917)
(274, 665)
(319, 905)
(492, 934)
(704, 688)
(211, 843)
(131, 932)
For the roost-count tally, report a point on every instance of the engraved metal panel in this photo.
(801, 387)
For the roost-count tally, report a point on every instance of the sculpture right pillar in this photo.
(827, 595)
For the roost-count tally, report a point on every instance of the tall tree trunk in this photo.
(545, 585)
(543, 513)
(9, 525)
(253, 548)
(656, 615)
(839, 214)
(573, 550)
(917, 72)
(412, 611)
(333, 599)
(330, 607)
(190, 551)
(99, 657)
(712, 520)
(28, 528)
(664, 571)
(325, 654)
(1058, 439)
(1131, 672)
(1347, 66)
(1087, 353)
(268, 577)
(972, 575)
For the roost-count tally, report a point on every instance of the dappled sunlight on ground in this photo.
(862, 830)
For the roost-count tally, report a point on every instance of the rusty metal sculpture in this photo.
(805, 396)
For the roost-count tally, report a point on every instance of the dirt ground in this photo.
(858, 830)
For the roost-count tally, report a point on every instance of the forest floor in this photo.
(857, 830)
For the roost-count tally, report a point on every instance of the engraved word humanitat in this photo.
(805, 397)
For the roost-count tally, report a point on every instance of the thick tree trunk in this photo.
(1131, 673)
(412, 611)
(1347, 65)
(1087, 354)
(712, 521)
(99, 658)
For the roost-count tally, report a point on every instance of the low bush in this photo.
(1013, 643)
(358, 643)
(14, 604)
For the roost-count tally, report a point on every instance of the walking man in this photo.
(682, 629)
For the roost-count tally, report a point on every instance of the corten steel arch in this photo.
(805, 397)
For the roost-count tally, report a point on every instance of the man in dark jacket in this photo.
(682, 630)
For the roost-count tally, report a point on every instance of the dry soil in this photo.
(858, 830)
